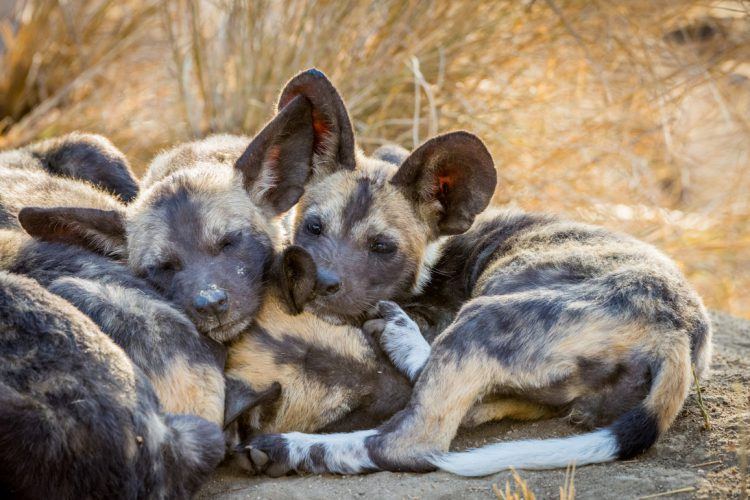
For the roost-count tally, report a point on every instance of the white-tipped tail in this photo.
(594, 447)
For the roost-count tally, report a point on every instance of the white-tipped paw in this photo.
(401, 339)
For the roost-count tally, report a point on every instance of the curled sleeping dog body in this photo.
(538, 344)
(530, 315)
(88, 158)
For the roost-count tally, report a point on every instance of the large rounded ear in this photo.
(450, 179)
(297, 278)
(101, 231)
(277, 163)
(334, 136)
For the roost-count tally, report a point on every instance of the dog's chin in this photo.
(224, 332)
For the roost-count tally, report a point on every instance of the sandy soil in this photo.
(701, 463)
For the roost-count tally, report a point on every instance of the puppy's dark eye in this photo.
(314, 226)
(167, 266)
(382, 246)
(229, 240)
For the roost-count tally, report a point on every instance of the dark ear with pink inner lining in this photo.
(449, 179)
(333, 134)
(278, 162)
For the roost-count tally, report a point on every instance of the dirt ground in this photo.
(689, 462)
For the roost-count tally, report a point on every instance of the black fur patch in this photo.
(358, 205)
(376, 448)
(636, 432)
(273, 445)
(93, 159)
(378, 390)
(317, 456)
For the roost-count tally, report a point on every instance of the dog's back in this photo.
(85, 157)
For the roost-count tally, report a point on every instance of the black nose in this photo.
(327, 282)
(211, 301)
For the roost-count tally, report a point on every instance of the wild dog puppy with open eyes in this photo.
(185, 367)
(530, 314)
(203, 229)
(78, 419)
(310, 374)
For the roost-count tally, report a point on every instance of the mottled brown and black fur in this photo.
(185, 368)
(328, 377)
(78, 419)
(528, 315)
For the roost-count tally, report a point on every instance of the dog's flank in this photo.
(330, 377)
(528, 315)
(77, 416)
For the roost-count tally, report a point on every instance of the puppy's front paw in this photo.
(268, 454)
(401, 340)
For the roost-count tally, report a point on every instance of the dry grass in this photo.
(588, 108)
(50, 50)
(518, 491)
(568, 489)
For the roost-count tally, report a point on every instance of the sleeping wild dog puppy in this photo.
(309, 374)
(530, 314)
(203, 229)
(185, 368)
(77, 418)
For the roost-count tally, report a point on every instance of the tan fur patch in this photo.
(191, 388)
(306, 404)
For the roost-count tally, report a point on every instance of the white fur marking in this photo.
(590, 448)
(405, 345)
(430, 256)
(345, 452)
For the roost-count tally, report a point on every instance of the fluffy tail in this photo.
(631, 434)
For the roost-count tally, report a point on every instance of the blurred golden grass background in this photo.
(634, 115)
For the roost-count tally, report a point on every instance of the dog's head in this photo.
(368, 222)
(203, 233)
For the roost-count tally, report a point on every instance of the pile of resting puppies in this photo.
(290, 303)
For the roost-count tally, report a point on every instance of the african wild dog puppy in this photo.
(77, 418)
(185, 368)
(530, 314)
(86, 157)
(203, 229)
(311, 375)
